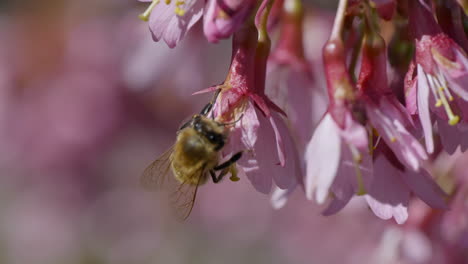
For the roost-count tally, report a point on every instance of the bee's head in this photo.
(209, 129)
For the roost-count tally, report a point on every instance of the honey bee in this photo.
(193, 157)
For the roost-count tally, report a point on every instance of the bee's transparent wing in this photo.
(158, 174)
(183, 199)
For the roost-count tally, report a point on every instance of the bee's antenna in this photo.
(208, 107)
(233, 122)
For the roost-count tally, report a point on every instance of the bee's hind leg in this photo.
(217, 179)
(224, 167)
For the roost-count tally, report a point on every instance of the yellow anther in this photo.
(393, 139)
(441, 97)
(168, 2)
(178, 10)
(454, 120)
(145, 15)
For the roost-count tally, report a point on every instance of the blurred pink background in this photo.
(87, 101)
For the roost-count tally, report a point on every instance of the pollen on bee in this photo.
(233, 171)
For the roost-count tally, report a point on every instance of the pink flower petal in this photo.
(218, 24)
(411, 90)
(450, 137)
(458, 80)
(322, 159)
(167, 25)
(423, 108)
(279, 197)
(257, 139)
(425, 188)
(346, 185)
(354, 133)
(388, 196)
(279, 140)
(249, 125)
(389, 123)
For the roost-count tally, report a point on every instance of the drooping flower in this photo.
(339, 129)
(258, 129)
(439, 85)
(222, 18)
(385, 113)
(339, 158)
(170, 20)
(290, 81)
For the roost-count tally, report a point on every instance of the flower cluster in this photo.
(392, 96)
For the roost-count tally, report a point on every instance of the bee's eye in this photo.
(197, 126)
(214, 138)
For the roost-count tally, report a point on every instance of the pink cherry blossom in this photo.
(440, 79)
(222, 18)
(259, 131)
(384, 112)
(170, 20)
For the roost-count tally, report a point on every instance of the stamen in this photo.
(453, 119)
(178, 10)
(441, 79)
(357, 159)
(387, 128)
(432, 85)
(376, 143)
(145, 15)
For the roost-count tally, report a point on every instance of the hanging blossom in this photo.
(258, 129)
(222, 18)
(437, 81)
(291, 84)
(341, 160)
(170, 20)
(339, 135)
(290, 77)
